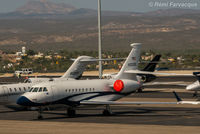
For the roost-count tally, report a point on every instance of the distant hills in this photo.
(47, 9)
(172, 12)
(65, 27)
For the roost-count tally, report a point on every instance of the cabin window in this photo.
(45, 89)
(24, 89)
(72, 90)
(35, 89)
(69, 90)
(10, 89)
(20, 89)
(15, 89)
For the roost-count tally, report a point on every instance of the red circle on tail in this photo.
(118, 85)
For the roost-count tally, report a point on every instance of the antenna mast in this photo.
(99, 27)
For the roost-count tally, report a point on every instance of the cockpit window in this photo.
(45, 89)
(31, 89)
(35, 89)
(27, 81)
(40, 90)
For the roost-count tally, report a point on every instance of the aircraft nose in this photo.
(188, 87)
(191, 87)
(2, 92)
(24, 101)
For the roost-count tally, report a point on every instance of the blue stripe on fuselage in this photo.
(24, 101)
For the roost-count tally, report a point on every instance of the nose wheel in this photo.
(107, 111)
(40, 110)
(71, 112)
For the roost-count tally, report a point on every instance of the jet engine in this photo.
(146, 77)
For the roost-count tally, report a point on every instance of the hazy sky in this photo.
(118, 5)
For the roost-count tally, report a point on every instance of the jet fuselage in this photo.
(72, 92)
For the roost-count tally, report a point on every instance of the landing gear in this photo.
(195, 94)
(71, 112)
(139, 90)
(107, 111)
(40, 117)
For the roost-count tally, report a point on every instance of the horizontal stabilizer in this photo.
(165, 83)
(197, 74)
(95, 60)
(156, 73)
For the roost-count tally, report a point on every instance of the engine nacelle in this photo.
(126, 86)
(146, 78)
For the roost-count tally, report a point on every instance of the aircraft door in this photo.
(47, 94)
(54, 92)
(6, 93)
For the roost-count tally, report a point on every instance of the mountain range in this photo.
(161, 30)
(47, 9)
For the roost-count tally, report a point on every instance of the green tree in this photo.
(31, 52)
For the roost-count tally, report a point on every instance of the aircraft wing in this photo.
(154, 73)
(165, 83)
(85, 102)
(180, 101)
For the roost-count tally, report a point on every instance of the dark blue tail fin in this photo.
(177, 97)
(152, 65)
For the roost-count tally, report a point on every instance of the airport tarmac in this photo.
(125, 119)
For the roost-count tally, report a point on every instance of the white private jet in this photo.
(9, 93)
(88, 92)
(150, 67)
(196, 85)
(180, 101)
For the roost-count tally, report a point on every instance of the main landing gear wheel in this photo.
(196, 94)
(107, 111)
(40, 117)
(140, 90)
(71, 112)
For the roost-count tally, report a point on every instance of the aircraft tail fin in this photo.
(77, 68)
(177, 97)
(152, 65)
(131, 63)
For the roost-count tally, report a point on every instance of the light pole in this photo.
(99, 27)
